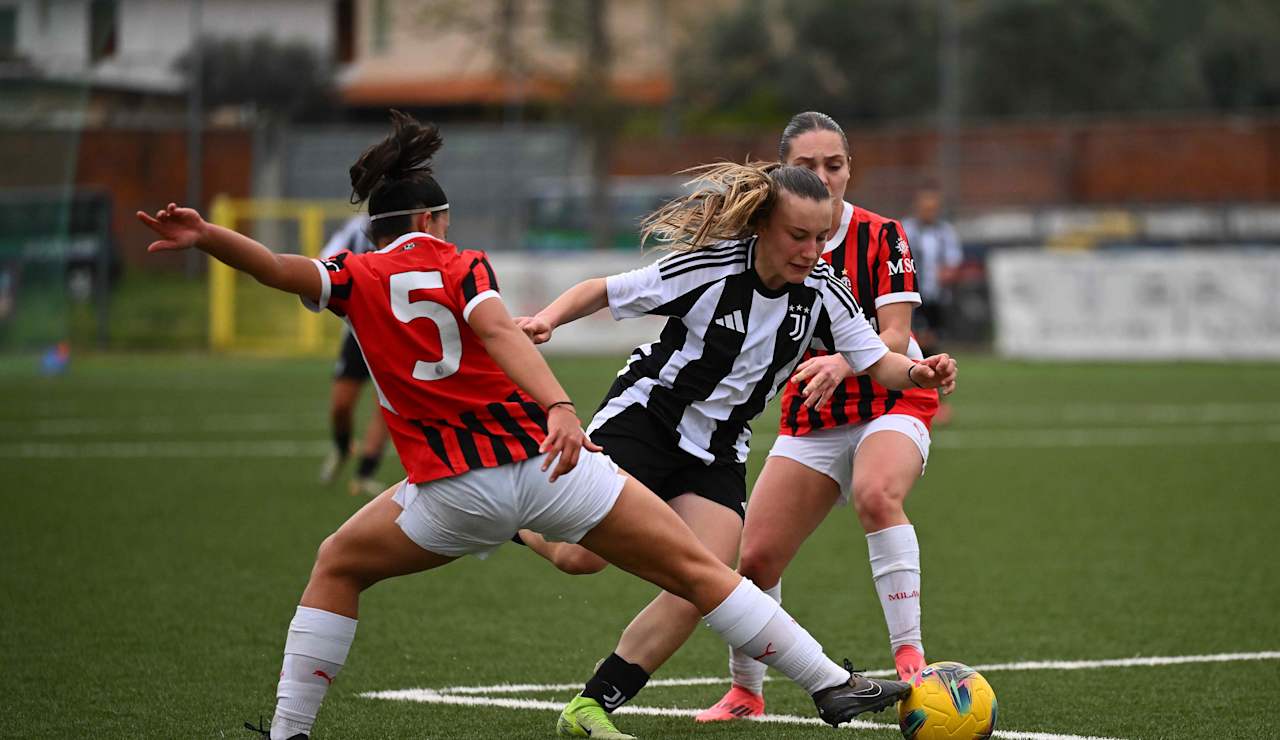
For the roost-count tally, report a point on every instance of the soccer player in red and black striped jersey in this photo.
(843, 435)
(471, 406)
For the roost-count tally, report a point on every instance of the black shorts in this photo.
(648, 452)
(350, 365)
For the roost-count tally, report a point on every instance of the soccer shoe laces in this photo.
(848, 666)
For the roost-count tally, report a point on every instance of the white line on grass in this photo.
(186, 450)
(950, 439)
(428, 696)
(78, 426)
(1032, 665)
(475, 695)
(1119, 411)
(1107, 437)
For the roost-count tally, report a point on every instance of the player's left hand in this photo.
(537, 329)
(565, 441)
(821, 376)
(179, 228)
(937, 371)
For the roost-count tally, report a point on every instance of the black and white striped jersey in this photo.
(730, 343)
(352, 237)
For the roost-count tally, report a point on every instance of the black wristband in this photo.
(563, 403)
(911, 377)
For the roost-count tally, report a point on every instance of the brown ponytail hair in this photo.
(728, 203)
(395, 175)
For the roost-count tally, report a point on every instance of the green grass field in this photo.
(160, 516)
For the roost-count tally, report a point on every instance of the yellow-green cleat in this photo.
(584, 717)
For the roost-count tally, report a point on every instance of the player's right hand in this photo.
(179, 228)
(564, 442)
(537, 329)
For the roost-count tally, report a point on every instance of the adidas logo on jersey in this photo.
(732, 321)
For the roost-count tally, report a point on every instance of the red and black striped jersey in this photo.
(448, 405)
(870, 254)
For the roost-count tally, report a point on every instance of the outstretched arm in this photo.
(899, 372)
(583, 299)
(183, 228)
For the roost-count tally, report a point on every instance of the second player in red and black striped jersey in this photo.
(870, 254)
(448, 405)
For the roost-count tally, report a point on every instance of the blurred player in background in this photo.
(843, 436)
(349, 376)
(745, 294)
(471, 404)
(938, 258)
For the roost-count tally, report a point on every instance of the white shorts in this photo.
(831, 451)
(480, 510)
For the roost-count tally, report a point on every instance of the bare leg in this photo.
(885, 469)
(342, 404)
(375, 435)
(645, 537)
(575, 560)
(666, 623)
(367, 548)
(787, 504)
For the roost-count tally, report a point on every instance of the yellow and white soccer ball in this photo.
(948, 701)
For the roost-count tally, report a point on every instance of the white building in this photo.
(135, 45)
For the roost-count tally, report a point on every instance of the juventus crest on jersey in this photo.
(730, 343)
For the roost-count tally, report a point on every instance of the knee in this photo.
(878, 504)
(333, 561)
(762, 566)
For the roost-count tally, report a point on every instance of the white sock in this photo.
(313, 654)
(895, 566)
(759, 626)
(745, 670)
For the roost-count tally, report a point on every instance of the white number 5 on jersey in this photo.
(402, 283)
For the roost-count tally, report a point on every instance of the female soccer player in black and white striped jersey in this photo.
(843, 438)
(746, 294)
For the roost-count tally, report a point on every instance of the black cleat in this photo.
(265, 731)
(843, 702)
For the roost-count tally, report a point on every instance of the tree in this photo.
(281, 79)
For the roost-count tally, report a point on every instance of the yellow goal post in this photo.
(246, 317)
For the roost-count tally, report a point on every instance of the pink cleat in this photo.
(739, 703)
(909, 661)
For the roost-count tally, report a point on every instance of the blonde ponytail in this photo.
(728, 203)
(723, 206)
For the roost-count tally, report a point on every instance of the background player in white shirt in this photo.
(745, 295)
(349, 376)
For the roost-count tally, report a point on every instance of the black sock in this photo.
(342, 441)
(615, 682)
(368, 464)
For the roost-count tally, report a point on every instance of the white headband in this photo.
(389, 214)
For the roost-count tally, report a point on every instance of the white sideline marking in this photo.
(1106, 437)
(947, 439)
(1033, 665)
(428, 696)
(1135, 413)
(75, 426)
(187, 450)
(474, 695)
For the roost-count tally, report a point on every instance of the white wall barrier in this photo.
(1142, 304)
(530, 280)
